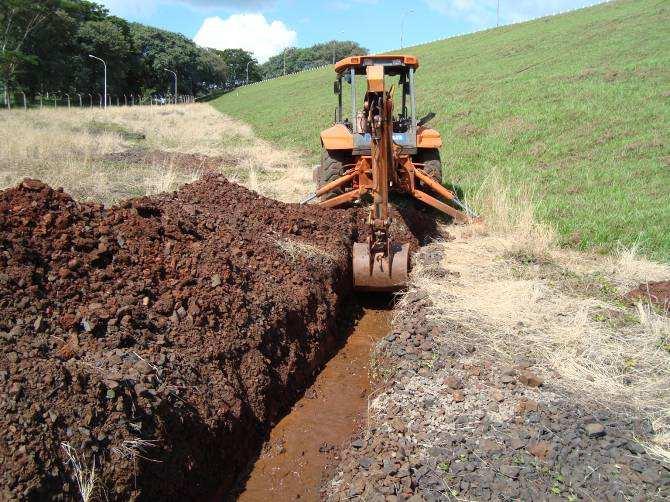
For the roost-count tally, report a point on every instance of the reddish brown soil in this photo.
(654, 292)
(175, 319)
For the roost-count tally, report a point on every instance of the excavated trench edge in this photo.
(300, 449)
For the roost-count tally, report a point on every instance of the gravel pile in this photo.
(456, 422)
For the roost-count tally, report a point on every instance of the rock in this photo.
(398, 425)
(453, 382)
(517, 443)
(594, 430)
(539, 449)
(530, 379)
(216, 280)
(489, 446)
(457, 396)
(357, 487)
(635, 447)
(498, 396)
(39, 324)
(511, 471)
(508, 371)
(507, 379)
(531, 406)
(365, 462)
(358, 443)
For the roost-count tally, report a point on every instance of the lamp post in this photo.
(334, 44)
(105, 68)
(248, 70)
(498, 14)
(402, 25)
(175, 84)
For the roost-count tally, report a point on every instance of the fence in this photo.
(19, 100)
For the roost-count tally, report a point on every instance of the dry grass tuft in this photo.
(84, 476)
(132, 449)
(296, 249)
(68, 147)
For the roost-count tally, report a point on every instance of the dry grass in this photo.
(67, 148)
(84, 476)
(512, 290)
(296, 249)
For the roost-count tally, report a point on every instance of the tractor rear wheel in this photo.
(430, 158)
(331, 168)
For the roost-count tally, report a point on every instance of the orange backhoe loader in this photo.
(377, 152)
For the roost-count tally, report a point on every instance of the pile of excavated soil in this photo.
(159, 339)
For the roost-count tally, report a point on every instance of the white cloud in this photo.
(482, 13)
(251, 32)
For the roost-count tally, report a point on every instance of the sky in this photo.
(266, 27)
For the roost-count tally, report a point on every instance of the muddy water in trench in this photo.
(301, 445)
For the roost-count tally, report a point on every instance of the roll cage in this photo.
(349, 70)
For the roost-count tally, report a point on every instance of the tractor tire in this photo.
(430, 157)
(331, 168)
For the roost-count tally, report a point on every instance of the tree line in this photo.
(45, 47)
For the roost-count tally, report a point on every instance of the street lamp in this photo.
(248, 70)
(175, 84)
(334, 44)
(105, 66)
(402, 24)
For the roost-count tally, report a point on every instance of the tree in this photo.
(294, 59)
(18, 19)
(236, 62)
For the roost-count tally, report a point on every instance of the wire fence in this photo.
(20, 100)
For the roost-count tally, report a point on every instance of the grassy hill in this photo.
(577, 105)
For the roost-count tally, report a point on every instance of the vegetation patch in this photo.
(593, 115)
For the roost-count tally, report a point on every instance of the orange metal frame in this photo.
(358, 180)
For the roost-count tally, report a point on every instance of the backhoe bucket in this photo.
(379, 272)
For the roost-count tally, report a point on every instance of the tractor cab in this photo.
(350, 88)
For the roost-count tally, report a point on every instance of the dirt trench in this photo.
(159, 340)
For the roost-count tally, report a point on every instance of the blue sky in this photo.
(265, 27)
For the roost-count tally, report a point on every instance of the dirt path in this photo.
(302, 445)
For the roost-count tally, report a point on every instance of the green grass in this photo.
(578, 105)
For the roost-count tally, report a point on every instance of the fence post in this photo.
(117, 100)
(125, 100)
(68, 101)
(55, 99)
(132, 100)
(78, 94)
(41, 104)
(25, 104)
(90, 99)
(100, 99)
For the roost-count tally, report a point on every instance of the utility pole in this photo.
(105, 66)
(402, 25)
(498, 14)
(335, 43)
(248, 70)
(285, 61)
(175, 84)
